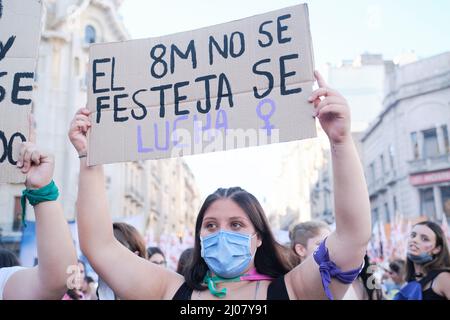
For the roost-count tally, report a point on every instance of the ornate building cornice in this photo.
(109, 7)
(115, 22)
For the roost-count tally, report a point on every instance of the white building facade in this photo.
(406, 150)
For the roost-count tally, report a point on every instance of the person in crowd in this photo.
(367, 286)
(427, 264)
(55, 249)
(235, 254)
(74, 294)
(156, 256)
(75, 290)
(306, 237)
(89, 288)
(130, 238)
(8, 259)
(395, 278)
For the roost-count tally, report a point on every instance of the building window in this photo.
(391, 156)
(386, 211)
(394, 201)
(90, 34)
(17, 214)
(415, 145)
(375, 216)
(445, 195)
(77, 66)
(327, 201)
(430, 143)
(383, 171)
(427, 207)
(372, 172)
(446, 139)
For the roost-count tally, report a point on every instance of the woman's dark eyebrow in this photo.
(423, 235)
(237, 218)
(209, 218)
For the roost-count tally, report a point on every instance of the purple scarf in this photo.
(328, 269)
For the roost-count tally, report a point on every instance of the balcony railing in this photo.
(380, 185)
(391, 177)
(429, 164)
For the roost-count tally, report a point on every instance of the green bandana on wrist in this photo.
(48, 193)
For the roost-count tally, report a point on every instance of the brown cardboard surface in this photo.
(111, 140)
(22, 20)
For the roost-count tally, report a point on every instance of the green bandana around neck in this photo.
(212, 282)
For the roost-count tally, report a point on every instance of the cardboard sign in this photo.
(20, 27)
(239, 84)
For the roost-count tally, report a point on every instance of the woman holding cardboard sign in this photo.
(56, 253)
(235, 254)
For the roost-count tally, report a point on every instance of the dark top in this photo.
(429, 293)
(276, 291)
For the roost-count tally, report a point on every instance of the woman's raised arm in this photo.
(128, 275)
(348, 243)
(55, 249)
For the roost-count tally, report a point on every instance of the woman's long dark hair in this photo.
(271, 258)
(184, 260)
(440, 261)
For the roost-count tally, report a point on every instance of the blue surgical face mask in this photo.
(227, 254)
(421, 258)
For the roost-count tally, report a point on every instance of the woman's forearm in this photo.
(54, 247)
(352, 206)
(94, 222)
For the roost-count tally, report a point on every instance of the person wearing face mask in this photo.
(235, 253)
(427, 264)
